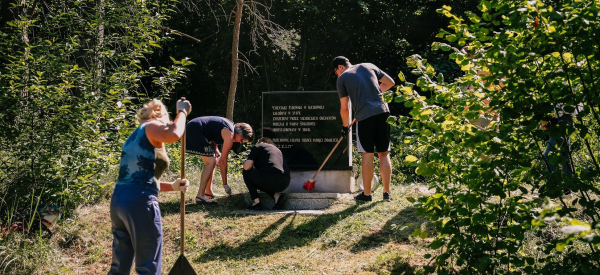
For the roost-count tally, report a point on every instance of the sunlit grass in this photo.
(349, 238)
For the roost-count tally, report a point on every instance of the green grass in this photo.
(24, 254)
(349, 238)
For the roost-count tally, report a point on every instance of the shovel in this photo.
(310, 184)
(182, 266)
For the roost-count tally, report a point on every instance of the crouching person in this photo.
(266, 170)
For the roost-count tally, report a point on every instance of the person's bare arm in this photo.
(386, 83)
(344, 110)
(248, 164)
(158, 133)
(177, 185)
(227, 144)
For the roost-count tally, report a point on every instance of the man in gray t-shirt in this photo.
(363, 85)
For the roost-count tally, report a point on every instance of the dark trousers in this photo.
(137, 233)
(269, 183)
(563, 143)
(566, 167)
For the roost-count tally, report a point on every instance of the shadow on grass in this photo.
(290, 236)
(396, 229)
(403, 268)
(222, 209)
(397, 266)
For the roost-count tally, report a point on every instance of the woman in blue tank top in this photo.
(134, 211)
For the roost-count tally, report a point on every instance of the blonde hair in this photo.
(154, 110)
(266, 140)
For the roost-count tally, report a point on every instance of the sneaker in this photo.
(387, 196)
(363, 197)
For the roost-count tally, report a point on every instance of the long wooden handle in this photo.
(182, 201)
(332, 150)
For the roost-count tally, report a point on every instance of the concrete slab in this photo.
(425, 190)
(267, 212)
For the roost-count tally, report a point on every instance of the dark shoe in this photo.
(387, 196)
(280, 202)
(363, 197)
(257, 206)
(200, 200)
(567, 192)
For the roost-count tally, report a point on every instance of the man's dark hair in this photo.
(340, 60)
(244, 130)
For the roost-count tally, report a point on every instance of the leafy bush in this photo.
(71, 79)
(496, 203)
(404, 143)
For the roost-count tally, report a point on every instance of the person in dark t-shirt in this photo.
(363, 85)
(204, 134)
(266, 170)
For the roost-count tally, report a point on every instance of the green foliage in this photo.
(23, 254)
(71, 79)
(523, 61)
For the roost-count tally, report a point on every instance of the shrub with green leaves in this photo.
(497, 208)
(72, 75)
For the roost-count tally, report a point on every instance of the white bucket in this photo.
(374, 183)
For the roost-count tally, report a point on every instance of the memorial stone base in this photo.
(330, 186)
(328, 181)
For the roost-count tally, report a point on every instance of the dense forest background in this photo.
(379, 32)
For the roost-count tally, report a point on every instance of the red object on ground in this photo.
(309, 185)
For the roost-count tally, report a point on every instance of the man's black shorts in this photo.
(373, 134)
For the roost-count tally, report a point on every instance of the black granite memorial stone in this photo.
(306, 126)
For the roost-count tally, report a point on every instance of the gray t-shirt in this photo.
(361, 84)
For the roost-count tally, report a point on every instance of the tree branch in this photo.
(180, 33)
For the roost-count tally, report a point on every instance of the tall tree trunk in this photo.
(25, 40)
(301, 76)
(25, 115)
(265, 66)
(234, 58)
(99, 45)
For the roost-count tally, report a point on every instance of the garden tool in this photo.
(310, 184)
(182, 266)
